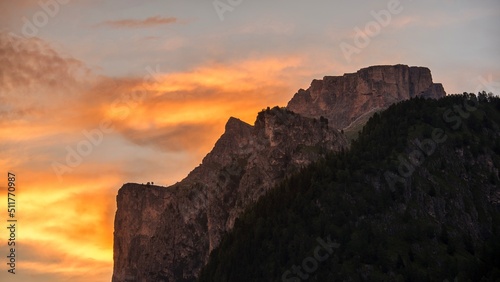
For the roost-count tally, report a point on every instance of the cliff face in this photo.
(394, 208)
(166, 234)
(344, 99)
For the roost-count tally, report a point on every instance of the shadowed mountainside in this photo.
(416, 198)
(167, 234)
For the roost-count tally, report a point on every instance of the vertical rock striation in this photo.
(166, 234)
(344, 99)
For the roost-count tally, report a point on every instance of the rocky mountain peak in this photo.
(235, 125)
(167, 233)
(187, 220)
(237, 134)
(344, 99)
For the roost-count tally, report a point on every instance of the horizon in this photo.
(95, 95)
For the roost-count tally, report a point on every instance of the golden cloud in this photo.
(49, 100)
(133, 23)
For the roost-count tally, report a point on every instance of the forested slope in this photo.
(415, 198)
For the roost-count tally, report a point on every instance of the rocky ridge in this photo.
(166, 234)
(343, 99)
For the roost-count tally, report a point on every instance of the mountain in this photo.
(167, 233)
(415, 198)
(344, 99)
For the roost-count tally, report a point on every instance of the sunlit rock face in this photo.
(166, 234)
(343, 99)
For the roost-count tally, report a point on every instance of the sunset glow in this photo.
(144, 91)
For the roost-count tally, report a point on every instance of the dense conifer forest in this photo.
(416, 197)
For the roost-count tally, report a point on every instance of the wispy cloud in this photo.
(47, 99)
(32, 62)
(134, 23)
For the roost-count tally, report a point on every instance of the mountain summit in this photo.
(167, 234)
(345, 99)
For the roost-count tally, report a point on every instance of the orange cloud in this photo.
(162, 128)
(187, 111)
(30, 63)
(131, 23)
(64, 230)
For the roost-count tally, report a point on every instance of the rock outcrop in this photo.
(166, 234)
(344, 99)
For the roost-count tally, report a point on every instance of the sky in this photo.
(95, 94)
